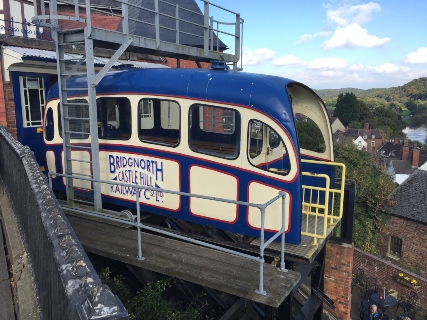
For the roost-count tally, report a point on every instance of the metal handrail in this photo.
(40, 20)
(262, 207)
(330, 193)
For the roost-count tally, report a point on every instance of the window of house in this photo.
(114, 118)
(159, 121)
(372, 143)
(32, 100)
(78, 119)
(395, 246)
(373, 136)
(214, 131)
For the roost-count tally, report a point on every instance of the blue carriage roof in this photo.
(265, 93)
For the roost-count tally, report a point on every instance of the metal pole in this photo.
(125, 17)
(206, 29)
(260, 289)
(138, 217)
(237, 41)
(282, 252)
(177, 23)
(157, 22)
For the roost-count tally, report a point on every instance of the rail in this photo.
(320, 206)
(139, 225)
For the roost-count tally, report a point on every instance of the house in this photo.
(404, 235)
(372, 137)
(336, 124)
(401, 159)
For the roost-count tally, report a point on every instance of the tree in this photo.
(386, 117)
(309, 136)
(373, 189)
(346, 108)
(364, 111)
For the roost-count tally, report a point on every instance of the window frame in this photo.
(236, 132)
(27, 121)
(393, 244)
(152, 114)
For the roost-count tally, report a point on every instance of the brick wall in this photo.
(10, 108)
(3, 115)
(414, 238)
(186, 64)
(338, 273)
(385, 273)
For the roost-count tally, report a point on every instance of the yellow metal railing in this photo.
(321, 205)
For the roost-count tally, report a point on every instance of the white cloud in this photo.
(353, 35)
(327, 63)
(357, 67)
(256, 56)
(358, 14)
(309, 37)
(420, 56)
(286, 61)
(388, 68)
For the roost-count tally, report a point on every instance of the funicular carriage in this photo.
(218, 133)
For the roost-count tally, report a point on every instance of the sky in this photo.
(332, 44)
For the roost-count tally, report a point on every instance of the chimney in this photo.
(366, 126)
(405, 142)
(396, 140)
(405, 152)
(415, 157)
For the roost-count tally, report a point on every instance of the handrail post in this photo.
(88, 16)
(260, 289)
(282, 252)
(237, 40)
(177, 23)
(206, 28)
(138, 217)
(157, 22)
(125, 16)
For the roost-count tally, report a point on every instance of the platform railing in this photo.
(262, 207)
(322, 206)
(206, 29)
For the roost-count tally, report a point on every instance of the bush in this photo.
(148, 303)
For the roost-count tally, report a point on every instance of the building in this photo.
(365, 139)
(336, 124)
(404, 236)
(401, 159)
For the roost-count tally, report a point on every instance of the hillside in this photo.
(413, 90)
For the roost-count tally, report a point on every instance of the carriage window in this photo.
(159, 121)
(49, 123)
(255, 138)
(114, 118)
(214, 131)
(78, 113)
(266, 149)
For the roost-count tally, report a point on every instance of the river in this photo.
(418, 134)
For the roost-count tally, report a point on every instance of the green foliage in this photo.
(148, 303)
(310, 137)
(346, 108)
(373, 187)
(364, 111)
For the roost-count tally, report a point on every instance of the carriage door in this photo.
(29, 97)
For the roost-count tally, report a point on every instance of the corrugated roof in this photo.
(38, 54)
